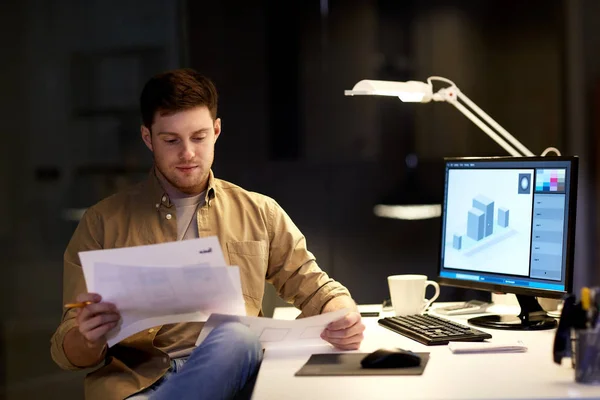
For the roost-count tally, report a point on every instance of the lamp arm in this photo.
(452, 95)
(503, 143)
(494, 124)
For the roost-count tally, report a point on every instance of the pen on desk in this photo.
(77, 305)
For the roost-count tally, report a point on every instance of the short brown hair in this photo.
(177, 90)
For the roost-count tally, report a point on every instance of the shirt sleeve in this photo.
(84, 238)
(293, 270)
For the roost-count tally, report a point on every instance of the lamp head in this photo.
(410, 91)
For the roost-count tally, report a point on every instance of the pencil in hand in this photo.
(77, 305)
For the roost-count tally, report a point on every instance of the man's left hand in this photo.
(346, 333)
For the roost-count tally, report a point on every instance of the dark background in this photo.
(70, 76)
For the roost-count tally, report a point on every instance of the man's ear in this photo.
(146, 137)
(217, 128)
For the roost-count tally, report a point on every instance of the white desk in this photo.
(529, 375)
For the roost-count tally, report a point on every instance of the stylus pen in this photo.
(77, 305)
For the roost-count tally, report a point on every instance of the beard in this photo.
(191, 185)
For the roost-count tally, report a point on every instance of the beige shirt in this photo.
(255, 233)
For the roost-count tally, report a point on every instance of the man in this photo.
(181, 200)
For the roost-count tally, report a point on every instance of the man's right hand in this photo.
(84, 344)
(95, 320)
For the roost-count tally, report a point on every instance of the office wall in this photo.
(11, 128)
(582, 71)
(448, 44)
(12, 46)
(588, 61)
(70, 70)
(329, 43)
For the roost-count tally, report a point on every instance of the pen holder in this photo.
(586, 355)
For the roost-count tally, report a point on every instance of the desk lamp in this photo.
(421, 92)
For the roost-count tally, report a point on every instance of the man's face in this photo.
(183, 145)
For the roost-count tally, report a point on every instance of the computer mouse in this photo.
(391, 358)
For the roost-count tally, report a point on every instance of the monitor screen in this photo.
(508, 225)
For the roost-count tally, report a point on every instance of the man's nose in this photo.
(187, 153)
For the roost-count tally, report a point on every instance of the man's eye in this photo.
(171, 141)
(199, 138)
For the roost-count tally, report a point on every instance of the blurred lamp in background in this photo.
(413, 199)
(422, 92)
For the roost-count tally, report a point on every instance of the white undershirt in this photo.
(187, 219)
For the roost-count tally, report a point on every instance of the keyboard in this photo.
(432, 330)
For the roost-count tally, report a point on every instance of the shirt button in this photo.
(157, 205)
(150, 330)
(166, 359)
(168, 216)
(164, 198)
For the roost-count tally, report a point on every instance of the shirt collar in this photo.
(160, 195)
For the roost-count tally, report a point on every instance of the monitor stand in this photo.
(532, 317)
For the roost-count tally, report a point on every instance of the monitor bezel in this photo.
(572, 212)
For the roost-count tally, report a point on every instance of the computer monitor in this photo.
(508, 226)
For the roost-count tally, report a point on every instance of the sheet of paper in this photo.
(516, 346)
(204, 251)
(276, 332)
(163, 284)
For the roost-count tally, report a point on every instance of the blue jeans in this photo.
(222, 367)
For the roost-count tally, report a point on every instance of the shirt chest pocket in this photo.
(251, 257)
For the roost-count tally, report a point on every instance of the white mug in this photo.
(408, 293)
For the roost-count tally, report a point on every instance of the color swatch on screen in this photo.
(550, 180)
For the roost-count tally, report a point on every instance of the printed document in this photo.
(185, 281)
(279, 333)
(164, 283)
